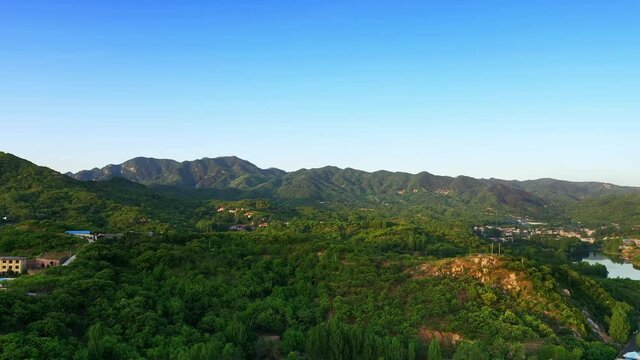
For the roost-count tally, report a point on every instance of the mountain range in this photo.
(330, 183)
(232, 177)
(142, 186)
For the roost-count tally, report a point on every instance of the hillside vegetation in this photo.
(341, 264)
(233, 178)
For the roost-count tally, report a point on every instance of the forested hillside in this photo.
(623, 210)
(234, 178)
(376, 273)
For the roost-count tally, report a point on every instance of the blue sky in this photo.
(509, 89)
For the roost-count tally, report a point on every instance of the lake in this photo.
(617, 268)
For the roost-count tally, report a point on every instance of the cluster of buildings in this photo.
(511, 233)
(14, 265)
(246, 212)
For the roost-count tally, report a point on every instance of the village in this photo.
(525, 231)
(238, 213)
(627, 248)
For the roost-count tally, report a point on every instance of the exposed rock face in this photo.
(443, 337)
(597, 329)
(492, 270)
(485, 268)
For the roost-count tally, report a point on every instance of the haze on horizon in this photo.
(501, 89)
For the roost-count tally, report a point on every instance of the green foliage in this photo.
(95, 342)
(30, 192)
(434, 350)
(329, 281)
(612, 246)
(553, 352)
(336, 341)
(621, 209)
(471, 351)
(620, 326)
(597, 351)
(597, 270)
(35, 237)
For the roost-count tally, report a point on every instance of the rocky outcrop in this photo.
(442, 337)
(487, 269)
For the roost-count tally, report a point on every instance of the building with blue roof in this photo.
(78, 232)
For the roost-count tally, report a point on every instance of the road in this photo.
(73, 257)
(631, 346)
(69, 260)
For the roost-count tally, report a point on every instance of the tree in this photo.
(619, 327)
(292, 340)
(95, 343)
(434, 350)
(553, 352)
(411, 351)
(596, 351)
(470, 351)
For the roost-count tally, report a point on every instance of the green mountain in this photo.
(562, 192)
(31, 192)
(220, 172)
(234, 178)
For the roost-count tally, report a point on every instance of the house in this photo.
(82, 233)
(13, 264)
(49, 260)
(78, 232)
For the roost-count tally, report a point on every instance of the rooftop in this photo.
(12, 258)
(78, 232)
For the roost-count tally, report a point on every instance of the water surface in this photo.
(617, 268)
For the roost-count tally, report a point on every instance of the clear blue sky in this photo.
(509, 89)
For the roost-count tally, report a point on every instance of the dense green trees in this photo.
(471, 351)
(326, 282)
(191, 296)
(596, 351)
(95, 342)
(336, 341)
(620, 326)
(553, 352)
